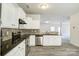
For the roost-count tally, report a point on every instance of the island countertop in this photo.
(43, 33)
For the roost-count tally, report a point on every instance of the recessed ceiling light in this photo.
(43, 6)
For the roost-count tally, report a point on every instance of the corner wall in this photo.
(74, 29)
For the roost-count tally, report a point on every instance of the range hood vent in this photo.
(22, 21)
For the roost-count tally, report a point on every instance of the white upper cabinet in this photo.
(35, 24)
(33, 21)
(28, 21)
(10, 15)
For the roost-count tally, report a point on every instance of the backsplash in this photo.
(30, 31)
(7, 33)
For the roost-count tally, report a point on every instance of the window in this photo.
(59, 30)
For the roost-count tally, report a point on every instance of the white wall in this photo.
(74, 29)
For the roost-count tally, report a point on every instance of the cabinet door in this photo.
(21, 49)
(32, 40)
(35, 22)
(49, 40)
(9, 16)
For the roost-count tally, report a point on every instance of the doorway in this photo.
(65, 31)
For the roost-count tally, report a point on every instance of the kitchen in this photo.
(22, 27)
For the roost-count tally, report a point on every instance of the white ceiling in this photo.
(62, 9)
(53, 19)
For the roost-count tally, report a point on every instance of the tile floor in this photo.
(65, 50)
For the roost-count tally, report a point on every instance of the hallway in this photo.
(65, 50)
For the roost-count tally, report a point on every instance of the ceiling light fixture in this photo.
(43, 6)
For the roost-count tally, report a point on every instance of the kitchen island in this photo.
(52, 40)
(46, 39)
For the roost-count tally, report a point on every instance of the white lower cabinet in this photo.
(19, 50)
(46, 40)
(49, 40)
(32, 40)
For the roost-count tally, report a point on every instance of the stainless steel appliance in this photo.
(38, 40)
(16, 37)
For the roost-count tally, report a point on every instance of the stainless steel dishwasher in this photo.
(38, 40)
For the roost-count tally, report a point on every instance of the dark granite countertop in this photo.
(53, 33)
(7, 45)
